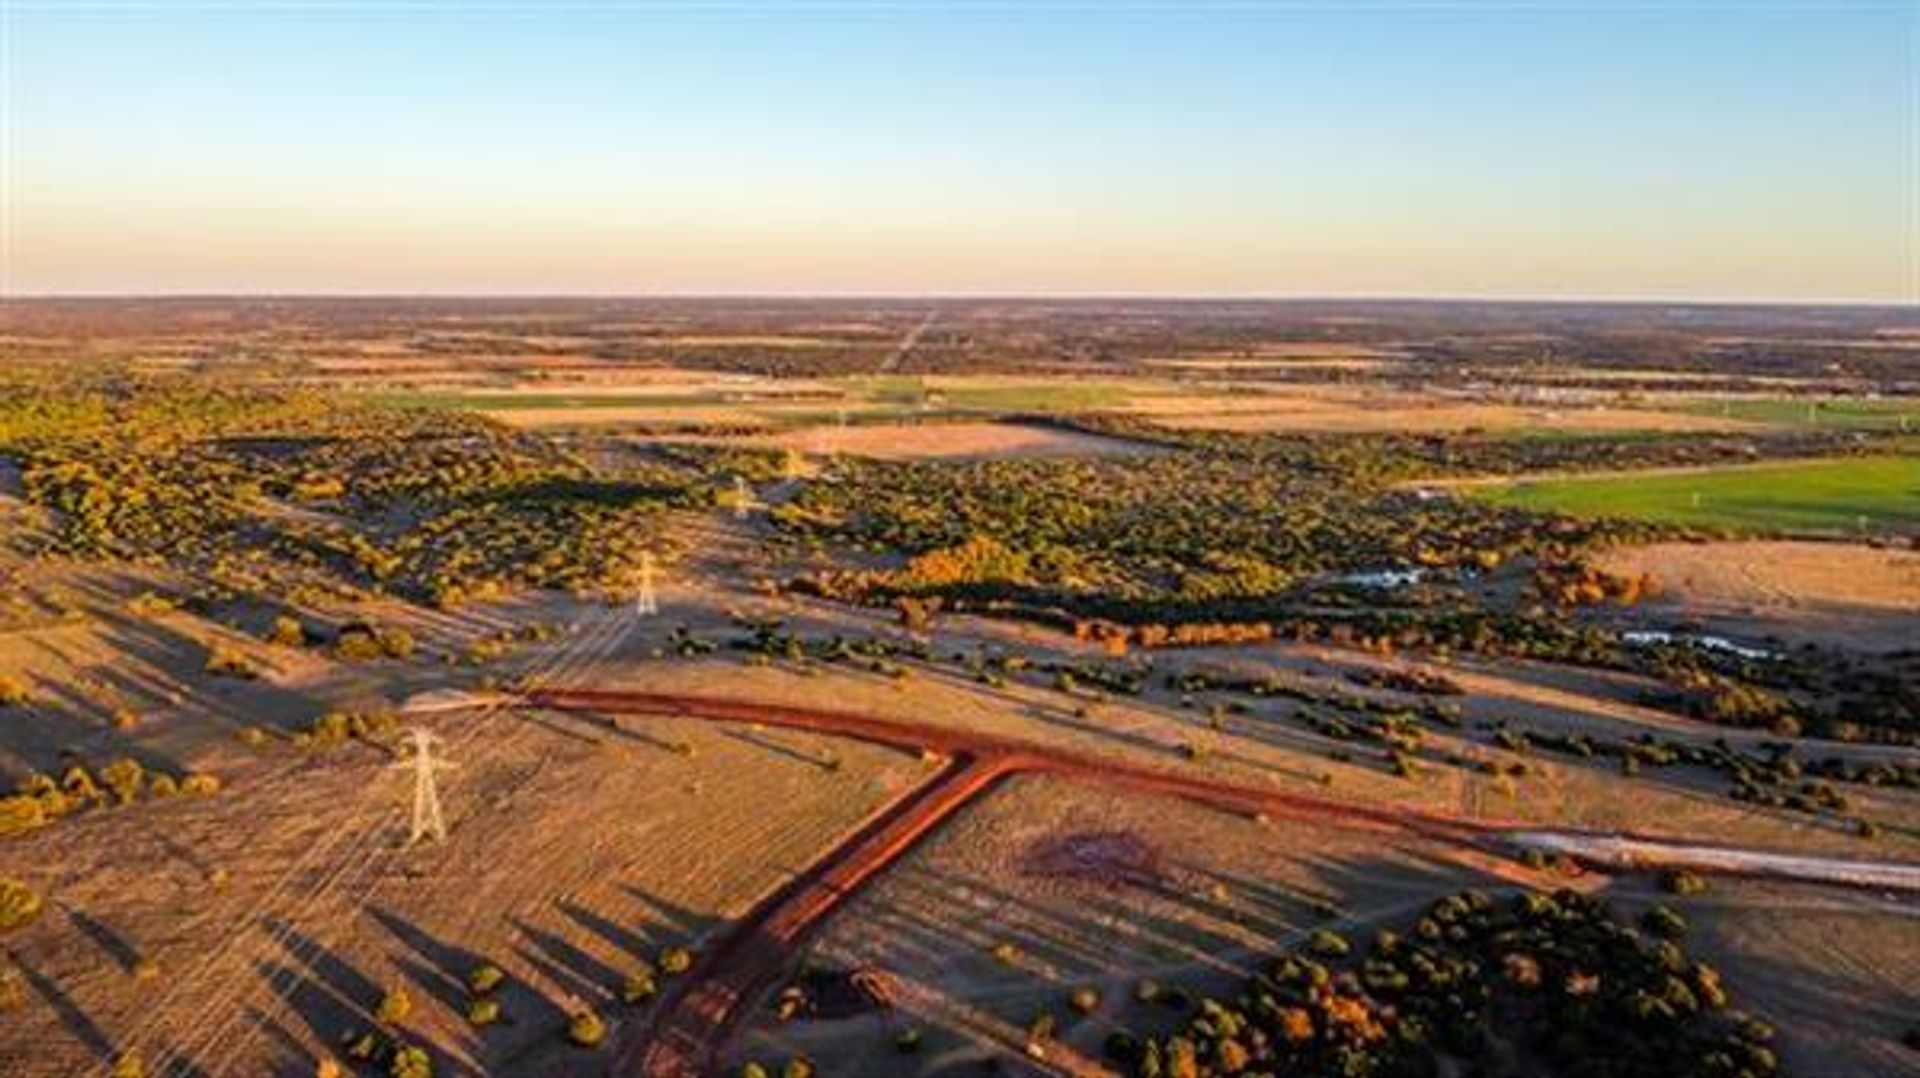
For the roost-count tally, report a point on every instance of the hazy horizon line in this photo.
(1030, 297)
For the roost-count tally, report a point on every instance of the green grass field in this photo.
(1847, 413)
(1829, 496)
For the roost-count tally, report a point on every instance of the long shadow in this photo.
(123, 953)
(580, 973)
(769, 744)
(74, 1020)
(443, 967)
(621, 938)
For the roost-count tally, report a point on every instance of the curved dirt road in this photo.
(688, 1028)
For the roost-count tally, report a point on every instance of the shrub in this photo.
(19, 904)
(410, 1062)
(483, 1012)
(484, 978)
(1328, 944)
(14, 691)
(676, 960)
(395, 643)
(226, 661)
(798, 1067)
(128, 1064)
(1664, 921)
(586, 1030)
(395, 1006)
(124, 777)
(200, 784)
(1085, 999)
(907, 1041)
(21, 813)
(751, 1069)
(287, 633)
(1681, 882)
(639, 988)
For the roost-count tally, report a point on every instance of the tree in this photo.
(19, 904)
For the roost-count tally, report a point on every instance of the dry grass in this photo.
(950, 441)
(1825, 592)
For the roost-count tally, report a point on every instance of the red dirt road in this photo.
(690, 1026)
(693, 1022)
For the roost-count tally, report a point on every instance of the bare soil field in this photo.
(1351, 411)
(1049, 886)
(279, 911)
(1838, 971)
(1825, 592)
(948, 441)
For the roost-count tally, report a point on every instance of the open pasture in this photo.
(1860, 496)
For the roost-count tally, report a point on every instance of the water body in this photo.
(1653, 637)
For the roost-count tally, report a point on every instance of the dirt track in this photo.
(693, 1022)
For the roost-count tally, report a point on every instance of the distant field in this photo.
(998, 395)
(1858, 414)
(1826, 496)
(504, 402)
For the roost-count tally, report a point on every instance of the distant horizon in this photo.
(1013, 297)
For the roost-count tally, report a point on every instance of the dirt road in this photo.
(692, 1024)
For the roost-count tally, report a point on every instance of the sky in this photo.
(1764, 151)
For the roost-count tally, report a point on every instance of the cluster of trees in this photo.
(41, 799)
(1198, 532)
(271, 488)
(1544, 984)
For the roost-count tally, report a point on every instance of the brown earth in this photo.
(1833, 593)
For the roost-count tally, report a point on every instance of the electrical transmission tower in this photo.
(743, 500)
(427, 820)
(646, 603)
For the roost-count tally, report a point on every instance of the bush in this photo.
(1328, 944)
(20, 814)
(907, 1041)
(798, 1067)
(1085, 999)
(586, 1030)
(1681, 882)
(395, 1006)
(226, 661)
(676, 960)
(639, 988)
(14, 691)
(483, 1012)
(1664, 921)
(287, 633)
(484, 978)
(128, 1064)
(19, 905)
(200, 784)
(410, 1062)
(124, 777)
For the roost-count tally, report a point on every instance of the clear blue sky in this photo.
(1707, 151)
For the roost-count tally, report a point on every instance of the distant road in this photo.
(892, 363)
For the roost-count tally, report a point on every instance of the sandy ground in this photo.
(1837, 972)
(1088, 889)
(1834, 593)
